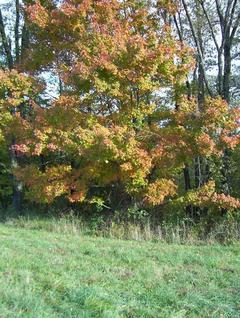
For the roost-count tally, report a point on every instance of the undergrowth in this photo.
(181, 232)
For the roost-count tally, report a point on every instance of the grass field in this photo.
(45, 274)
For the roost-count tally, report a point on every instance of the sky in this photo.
(4, 1)
(52, 86)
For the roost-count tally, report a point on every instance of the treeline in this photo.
(114, 105)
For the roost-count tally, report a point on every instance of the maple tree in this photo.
(109, 125)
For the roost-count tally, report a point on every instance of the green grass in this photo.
(46, 274)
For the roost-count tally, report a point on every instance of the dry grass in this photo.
(181, 233)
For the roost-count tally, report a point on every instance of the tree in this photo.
(14, 42)
(216, 43)
(109, 131)
(108, 128)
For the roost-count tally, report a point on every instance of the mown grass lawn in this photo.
(43, 274)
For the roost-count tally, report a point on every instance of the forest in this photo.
(124, 110)
(119, 158)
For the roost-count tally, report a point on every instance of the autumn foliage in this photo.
(110, 128)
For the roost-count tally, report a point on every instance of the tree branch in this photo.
(200, 53)
(210, 26)
(16, 30)
(235, 26)
(178, 29)
(6, 46)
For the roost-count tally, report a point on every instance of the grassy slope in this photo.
(44, 274)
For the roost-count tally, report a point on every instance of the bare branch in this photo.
(228, 15)
(210, 26)
(199, 50)
(16, 30)
(235, 27)
(178, 28)
(6, 45)
(220, 14)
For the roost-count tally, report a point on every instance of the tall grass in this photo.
(184, 232)
(52, 275)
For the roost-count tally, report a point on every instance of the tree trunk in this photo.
(17, 186)
(187, 178)
(227, 72)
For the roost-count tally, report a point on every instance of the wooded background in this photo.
(114, 105)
